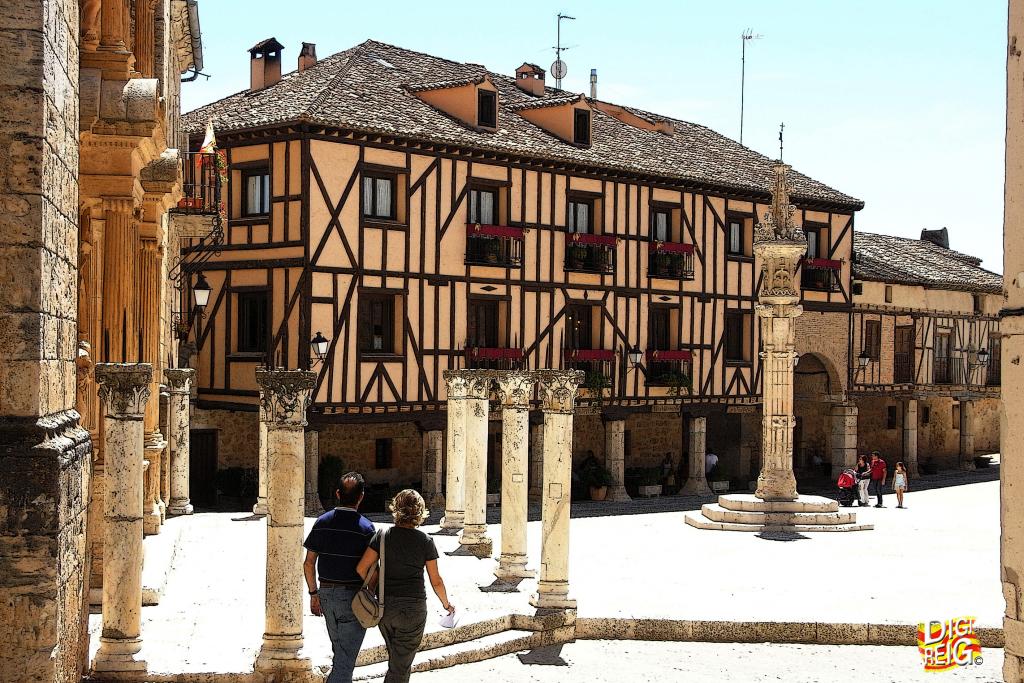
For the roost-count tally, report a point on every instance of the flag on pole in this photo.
(210, 141)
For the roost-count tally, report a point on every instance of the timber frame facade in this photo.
(317, 257)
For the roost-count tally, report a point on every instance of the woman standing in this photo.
(863, 480)
(408, 552)
(899, 483)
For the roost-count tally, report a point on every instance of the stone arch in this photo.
(815, 382)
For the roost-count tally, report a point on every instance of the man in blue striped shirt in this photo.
(333, 549)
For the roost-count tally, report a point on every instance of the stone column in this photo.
(165, 429)
(474, 533)
(124, 391)
(120, 280)
(260, 508)
(284, 397)
(433, 447)
(696, 476)
(312, 503)
(179, 384)
(844, 438)
(967, 435)
(558, 396)
(515, 388)
(455, 450)
(147, 301)
(536, 460)
(910, 436)
(615, 458)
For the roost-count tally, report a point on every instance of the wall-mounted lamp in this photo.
(863, 359)
(319, 345)
(635, 356)
(201, 297)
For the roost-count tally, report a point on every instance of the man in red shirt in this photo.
(878, 474)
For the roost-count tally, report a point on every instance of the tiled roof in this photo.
(901, 260)
(441, 85)
(364, 88)
(545, 102)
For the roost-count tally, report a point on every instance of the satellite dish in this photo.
(558, 68)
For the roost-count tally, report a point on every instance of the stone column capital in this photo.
(515, 388)
(480, 383)
(457, 383)
(558, 389)
(179, 380)
(124, 387)
(285, 395)
(119, 204)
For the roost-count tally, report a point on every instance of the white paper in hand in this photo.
(450, 620)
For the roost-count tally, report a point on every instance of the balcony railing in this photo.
(201, 183)
(670, 368)
(493, 358)
(598, 366)
(903, 368)
(590, 253)
(494, 245)
(672, 260)
(821, 274)
(947, 371)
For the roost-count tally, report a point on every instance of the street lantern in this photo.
(635, 356)
(319, 344)
(983, 357)
(201, 291)
(863, 359)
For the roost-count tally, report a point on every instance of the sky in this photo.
(898, 103)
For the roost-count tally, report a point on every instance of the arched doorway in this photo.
(815, 385)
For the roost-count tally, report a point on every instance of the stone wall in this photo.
(826, 334)
(44, 454)
(237, 435)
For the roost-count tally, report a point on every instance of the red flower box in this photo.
(668, 355)
(483, 230)
(822, 264)
(486, 353)
(671, 247)
(586, 238)
(589, 354)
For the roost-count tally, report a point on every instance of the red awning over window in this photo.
(485, 353)
(822, 264)
(494, 231)
(585, 238)
(669, 355)
(589, 354)
(671, 247)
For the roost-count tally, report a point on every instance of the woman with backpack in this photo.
(407, 552)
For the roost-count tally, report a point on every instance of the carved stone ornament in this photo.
(179, 380)
(124, 387)
(457, 383)
(285, 395)
(778, 220)
(480, 383)
(558, 389)
(515, 388)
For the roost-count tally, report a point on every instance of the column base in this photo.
(513, 567)
(282, 653)
(151, 522)
(453, 519)
(696, 487)
(477, 545)
(118, 655)
(260, 508)
(180, 507)
(968, 465)
(776, 485)
(552, 595)
(435, 502)
(617, 494)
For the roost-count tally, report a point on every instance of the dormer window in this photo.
(487, 108)
(581, 127)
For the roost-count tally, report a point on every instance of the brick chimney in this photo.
(265, 64)
(530, 78)
(307, 57)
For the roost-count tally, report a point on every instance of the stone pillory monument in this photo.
(776, 505)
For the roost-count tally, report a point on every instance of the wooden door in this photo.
(202, 468)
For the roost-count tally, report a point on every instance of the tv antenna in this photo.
(747, 35)
(558, 68)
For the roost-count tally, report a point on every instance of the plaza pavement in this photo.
(935, 560)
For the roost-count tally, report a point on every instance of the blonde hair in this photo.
(408, 508)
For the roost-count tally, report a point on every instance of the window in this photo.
(580, 326)
(253, 321)
(873, 338)
(979, 303)
(482, 324)
(735, 337)
(581, 127)
(737, 232)
(482, 207)
(581, 216)
(926, 415)
(487, 108)
(377, 323)
(379, 197)
(888, 294)
(813, 237)
(659, 337)
(660, 225)
(890, 417)
(256, 189)
(383, 449)
(956, 416)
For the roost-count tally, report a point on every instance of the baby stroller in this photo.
(847, 484)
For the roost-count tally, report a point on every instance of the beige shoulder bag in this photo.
(367, 607)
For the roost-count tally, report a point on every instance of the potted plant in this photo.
(597, 479)
(677, 265)
(650, 482)
(493, 249)
(678, 383)
(577, 255)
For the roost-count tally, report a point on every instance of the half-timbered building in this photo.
(424, 214)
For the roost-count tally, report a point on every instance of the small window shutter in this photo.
(735, 237)
(661, 226)
(582, 217)
(383, 197)
(252, 194)
(367, 196)
(487, 208)
(812, 244)
(265, 193)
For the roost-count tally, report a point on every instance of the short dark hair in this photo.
(350, 488)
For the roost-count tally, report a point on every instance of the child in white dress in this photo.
(899, 483)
